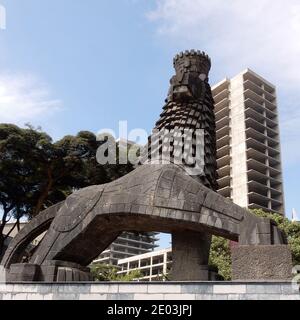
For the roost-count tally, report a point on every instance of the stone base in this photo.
(262, 262)
(52, 271)
(61, 271)
(190, 254)
(22, 272)
(152, 291)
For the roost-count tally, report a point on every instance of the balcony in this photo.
(263, 189)
(260, 127)
(126, 246)
(261, 157)
(224, 171)
(222, 123)
(223, 162)
(219, 87)
(223, 151)
(251, 104)
(223, 141)
(222, 132)
(263, 178)
(256, 145)
(249, 94)
(262, 200)
(225, 191)
(260, 167)
(223, 95)
(224, 182)
(248, 84)
(266, 209)
(251, 113)
(144, 241)
(222, 112)
(262, 138)
(259, 82)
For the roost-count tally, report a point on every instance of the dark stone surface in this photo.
(189, 106)
(163, 197)
(23, 272)
(190, 253)
(271, 262)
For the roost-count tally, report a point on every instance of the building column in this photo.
(150, 271)
(165, 263)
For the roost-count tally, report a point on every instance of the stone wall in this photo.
(152, 291)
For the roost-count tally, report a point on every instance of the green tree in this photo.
(36, 173)
(220, 255)
(103, 272)
(291, 229)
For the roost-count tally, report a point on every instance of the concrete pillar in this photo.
(165, 261)
(190, 251)
(238, 142)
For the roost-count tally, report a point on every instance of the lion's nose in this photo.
(182, 92)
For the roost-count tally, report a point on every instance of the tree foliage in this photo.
(104, 272)
(220, 255)
(291, 229)
(36, 173)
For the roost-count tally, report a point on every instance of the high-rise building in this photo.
(127, 245)
(248, 142)
(294, 216)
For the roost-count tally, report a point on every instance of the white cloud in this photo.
(260, 34)
(24, 98)
(265, 33)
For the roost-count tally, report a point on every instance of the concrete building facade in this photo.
(153, 266)
(127, 245)
(248, 142)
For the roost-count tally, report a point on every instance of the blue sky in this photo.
(71, 65)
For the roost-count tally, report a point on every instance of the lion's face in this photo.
(187, 85)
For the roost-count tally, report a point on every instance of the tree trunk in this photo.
(44, 194)
(2, 225)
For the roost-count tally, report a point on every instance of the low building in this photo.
(154, 266)
(128, 245)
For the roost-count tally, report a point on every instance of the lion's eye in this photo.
(202, 76)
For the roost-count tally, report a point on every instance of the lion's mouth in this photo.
(182, 93)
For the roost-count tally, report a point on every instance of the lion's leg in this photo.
(190, 254)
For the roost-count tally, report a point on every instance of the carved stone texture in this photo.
(261, 262)
(22, 272)
(157, 196)
(189, 108)
(190, 253)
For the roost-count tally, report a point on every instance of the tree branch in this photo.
(11, 230)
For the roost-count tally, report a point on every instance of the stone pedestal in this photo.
(52, 271)
(22, 272)
(63, 271)
(261, 262)
(190, 254)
